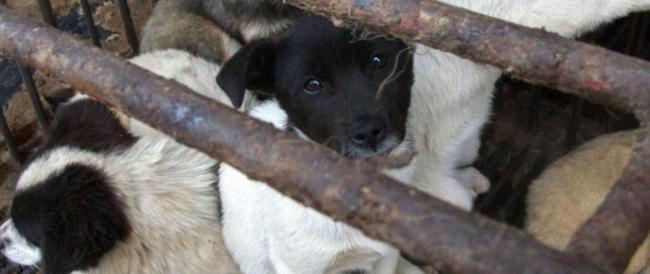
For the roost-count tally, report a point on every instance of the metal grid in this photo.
(590, 240)
(26, 73)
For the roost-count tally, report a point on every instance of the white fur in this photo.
(264, 28)
(452, 96)
(19, 251)
(267, 232)
(193, 72)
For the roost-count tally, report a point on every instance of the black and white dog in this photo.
(332, 87)
(98, 198)
(451, 96)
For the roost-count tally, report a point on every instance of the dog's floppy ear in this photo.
(250, 68)
(80, 216)
(59, 97)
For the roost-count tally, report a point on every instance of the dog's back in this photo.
(213, 29)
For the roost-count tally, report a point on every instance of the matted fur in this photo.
(570, 190)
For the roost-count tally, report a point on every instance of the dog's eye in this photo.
(312, 86)
(378, 60)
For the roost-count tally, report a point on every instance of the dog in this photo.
(106, 196)
(451, 97)
(329, 87)
(214, 29)
(569, 191)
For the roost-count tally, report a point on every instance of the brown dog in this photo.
(570, 190)
(214, 29)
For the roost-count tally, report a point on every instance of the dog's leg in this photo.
(473, 180)
(450, 103)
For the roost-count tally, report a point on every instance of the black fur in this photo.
(346, 113)
(75, 217)
(88, 125)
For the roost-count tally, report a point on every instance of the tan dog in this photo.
(579, 182)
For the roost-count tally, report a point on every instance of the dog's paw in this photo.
(473, 180)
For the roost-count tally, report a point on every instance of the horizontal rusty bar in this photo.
(611, 236)
(425, 228)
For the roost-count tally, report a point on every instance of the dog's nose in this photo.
(368, 132)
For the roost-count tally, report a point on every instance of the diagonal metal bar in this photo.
(129, 29)
(623, 220)
(30, 86)
(9, 140)
(46, 12)
(90, 22)
(426, 228)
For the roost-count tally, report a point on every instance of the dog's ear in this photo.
(81, 219)
(59, 97)
(250, 68)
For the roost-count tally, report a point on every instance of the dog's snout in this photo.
(368, 132)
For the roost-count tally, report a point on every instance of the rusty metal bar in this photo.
(425, 228)
(129, 29)
(623, 220)
(90, 23)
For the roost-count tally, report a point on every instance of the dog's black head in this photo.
(339, 88)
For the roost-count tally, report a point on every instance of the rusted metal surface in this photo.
(427, 229)
(610, 237)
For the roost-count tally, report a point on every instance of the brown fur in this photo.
(569, 191)
(213, 29)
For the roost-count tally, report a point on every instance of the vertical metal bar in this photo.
(128, 25)
(9, 141)
(46, 11)
(90, 23)
(26, 74)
